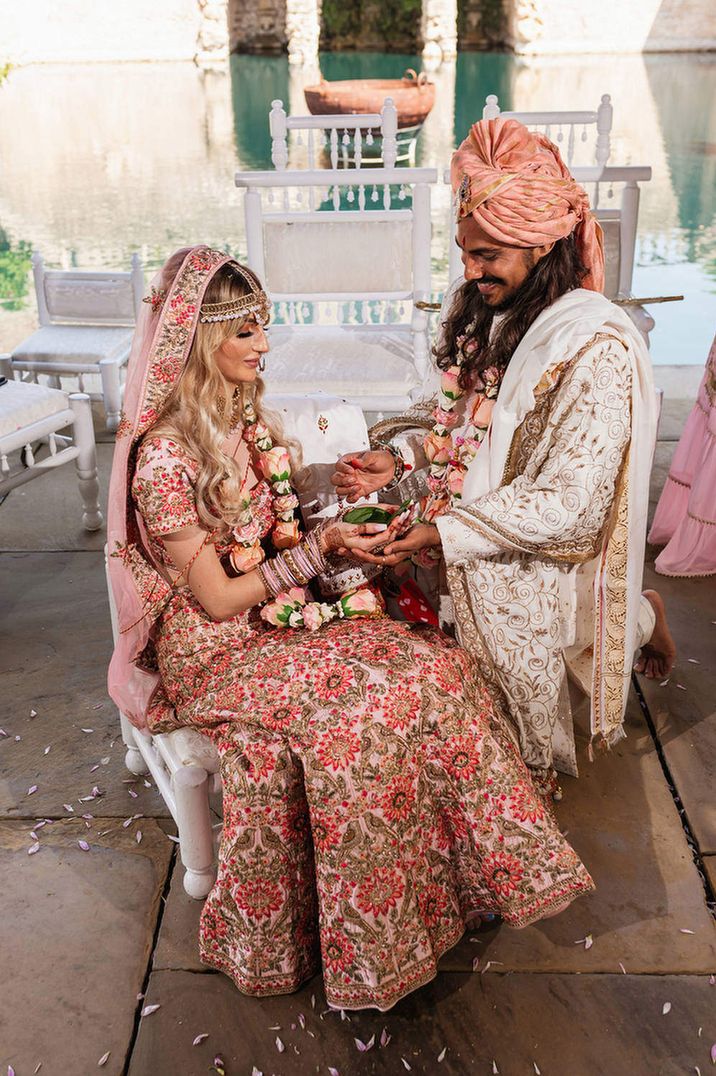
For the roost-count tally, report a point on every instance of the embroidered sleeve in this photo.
(568, 458)
(163, 487)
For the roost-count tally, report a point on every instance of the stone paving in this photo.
(89, 936)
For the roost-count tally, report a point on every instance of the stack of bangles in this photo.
(293, 567)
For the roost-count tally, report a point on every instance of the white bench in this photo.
(32, 413)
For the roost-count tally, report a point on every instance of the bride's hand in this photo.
(360, 473)
(347, 538)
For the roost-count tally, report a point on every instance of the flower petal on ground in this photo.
(441, 1055)
(149, 1009)
(384, 1037)
(200, 1038)
(279, 1045)
(103, 1059)
(666, 1008)
(684, 930)
(84, 846)
(32, 789)
(33, 848)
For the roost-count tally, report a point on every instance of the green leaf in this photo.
(368, 513)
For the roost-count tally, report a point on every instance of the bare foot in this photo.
(656, 658)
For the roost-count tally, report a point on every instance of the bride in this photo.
(373, 802)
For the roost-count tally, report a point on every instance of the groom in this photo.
(542, 537)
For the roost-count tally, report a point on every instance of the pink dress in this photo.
(371, 798)
(685, 517)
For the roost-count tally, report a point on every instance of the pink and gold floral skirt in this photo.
(371, 803)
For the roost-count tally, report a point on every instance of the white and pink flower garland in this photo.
(291, 609)
(274, 465)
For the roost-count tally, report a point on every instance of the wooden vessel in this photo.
(413, 96)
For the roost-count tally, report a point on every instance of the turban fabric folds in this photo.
(518, 189)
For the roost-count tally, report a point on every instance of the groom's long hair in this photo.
(558, 272)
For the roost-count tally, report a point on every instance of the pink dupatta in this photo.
(160, 349)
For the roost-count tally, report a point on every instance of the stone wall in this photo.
(588, 26)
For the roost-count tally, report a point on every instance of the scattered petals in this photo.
(694, 661)
(2, 732)
(132, 793)
(84, 846)
(149, 1009)
(302, 1021)
(362, 1047)
(495, 1069)
(441, 1055)
(475, 963)
(489, 964)
(622, 967)
(587, 942)
(538, 1070)
(173, 838)
(684, 930)
(106, 760)
(200, 1038)
(255, 1071)
(47, 749)
(666, 1008)
(713, 1054)
(31, 790)
(681, 687)
(88, 730)
(37, 1069)
(406, 1065)
(712, 980)
(68, 807)
(219, 1065)
(332, 1071)
(313, 1001)
(663, 683)
(103, 1059)
(33, 713)
(279, 1045)
(138, 837)
(33, 848)
(384, 1037)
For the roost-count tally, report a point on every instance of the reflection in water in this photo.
(101, 160)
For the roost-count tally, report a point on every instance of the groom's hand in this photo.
(360, 473)
(421, 536)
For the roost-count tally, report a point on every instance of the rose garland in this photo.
(449, 457)
(274, 465)
(292, 610)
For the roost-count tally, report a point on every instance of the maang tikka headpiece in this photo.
(256, 304)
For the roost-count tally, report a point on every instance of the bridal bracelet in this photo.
(293, 567)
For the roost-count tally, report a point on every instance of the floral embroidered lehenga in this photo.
(372, 800)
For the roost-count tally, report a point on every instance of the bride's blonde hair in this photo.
(198, 416)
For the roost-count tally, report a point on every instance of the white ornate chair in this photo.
(86, 320)
(185, 763)
(345, 255)
(343, 139)
(32, 413)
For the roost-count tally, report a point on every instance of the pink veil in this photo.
(160, 348)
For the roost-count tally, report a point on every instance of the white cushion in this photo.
(192, 748)
(22, 404)
(341, 362)
(74, 343)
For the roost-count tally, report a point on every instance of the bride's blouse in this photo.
(163, 492)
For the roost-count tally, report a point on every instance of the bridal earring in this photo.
(262, 364)
(235, 407)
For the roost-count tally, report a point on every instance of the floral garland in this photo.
(449, 457)
(292, 610)
(274, 465)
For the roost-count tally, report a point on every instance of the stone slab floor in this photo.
(95, 924)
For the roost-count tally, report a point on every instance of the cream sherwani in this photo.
(544, 555)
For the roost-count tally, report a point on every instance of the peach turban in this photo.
(517, 187)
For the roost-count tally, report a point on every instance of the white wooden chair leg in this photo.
(86, 462)
(191, 792)
(111, 391)
(133, 760)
